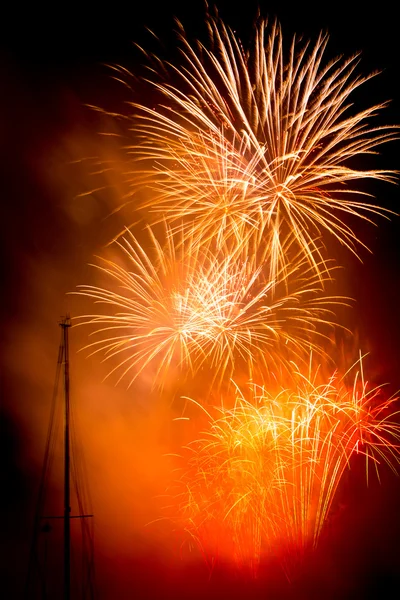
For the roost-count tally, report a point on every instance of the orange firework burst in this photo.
(261, 479)
(260, 141)
(184, 308)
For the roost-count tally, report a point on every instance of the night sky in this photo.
(57, 212)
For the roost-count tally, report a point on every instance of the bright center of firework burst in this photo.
(192, 308)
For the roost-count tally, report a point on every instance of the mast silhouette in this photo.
(66, 324)
(65, 515)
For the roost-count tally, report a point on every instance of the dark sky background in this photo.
(52, 65)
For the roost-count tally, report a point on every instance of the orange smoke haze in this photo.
(63, 207)
(50, 242)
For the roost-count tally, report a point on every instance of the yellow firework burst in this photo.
(180, 308)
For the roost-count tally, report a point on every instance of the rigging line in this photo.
(48, 457)
(80, 481)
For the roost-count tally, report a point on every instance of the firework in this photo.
(260, 141)
(180, 309)
(248, 162)
(261, 478)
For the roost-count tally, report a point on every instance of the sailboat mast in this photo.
(65, 324)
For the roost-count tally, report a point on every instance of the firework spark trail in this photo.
(253, 140)
(262, 477)
(186, 309)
